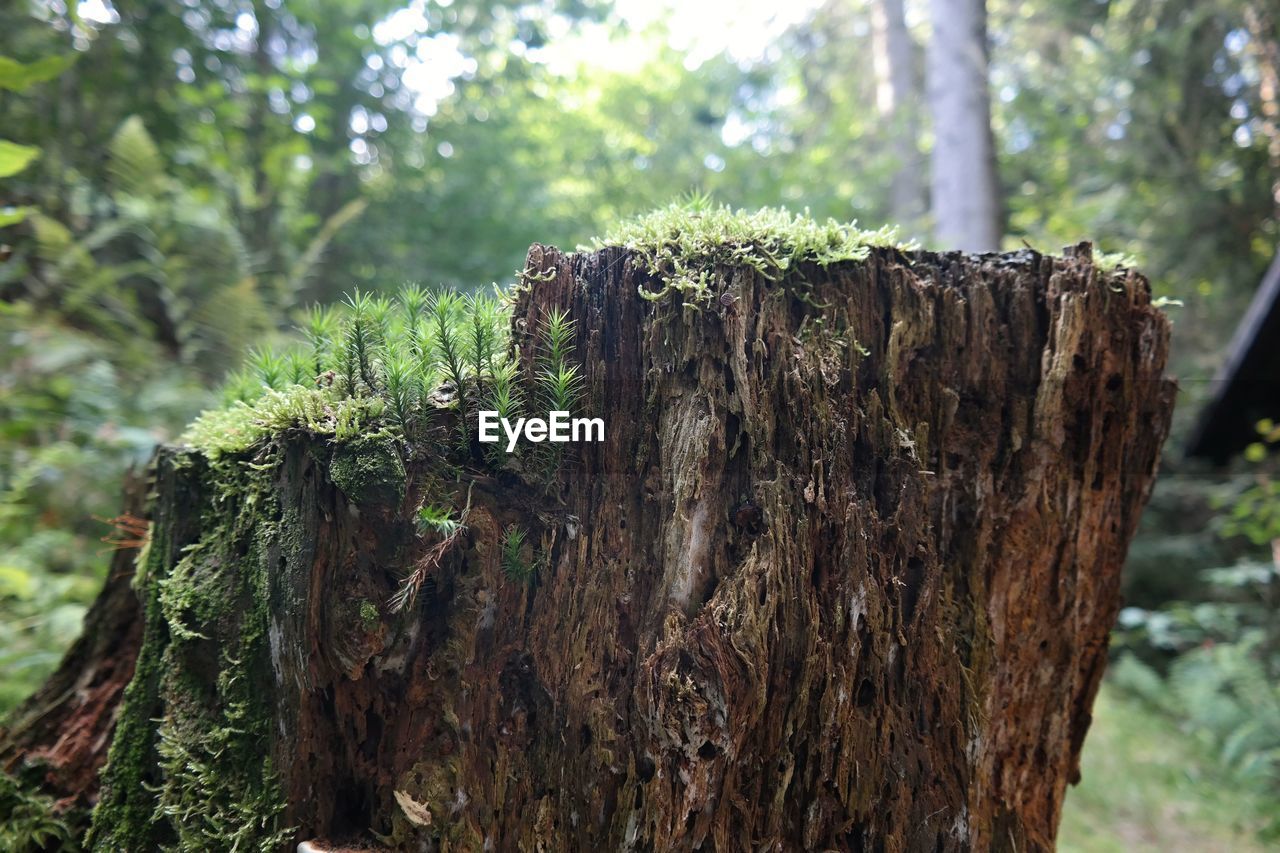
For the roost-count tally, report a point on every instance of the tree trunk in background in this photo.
(965, 188)
(1264, 43)
(840, 577)
(897, 99)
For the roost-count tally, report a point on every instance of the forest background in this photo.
(180, 180)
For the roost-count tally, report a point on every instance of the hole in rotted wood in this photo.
(1078, 362)
(818, 574)
(351, 809)
(710, 589)
(373, 737)
(586, 736)
(866, 693)
(853, 839)
(645, 767)
(708, 750)
(1114, 381)
(911, 592)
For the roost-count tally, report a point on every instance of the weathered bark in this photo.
(840, 577)
(965, 198)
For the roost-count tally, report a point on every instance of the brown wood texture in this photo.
(840, 576)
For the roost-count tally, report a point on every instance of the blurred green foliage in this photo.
(75, 413)
(1148, 783)
(1205, 652)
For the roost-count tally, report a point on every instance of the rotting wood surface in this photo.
(840, 576)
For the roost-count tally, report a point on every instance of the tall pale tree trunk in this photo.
(965, 188)
(897, 103)
(1264, 31)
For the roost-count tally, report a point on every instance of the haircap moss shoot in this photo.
(558, 427)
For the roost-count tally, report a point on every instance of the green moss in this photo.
(199, 780)
(685, 242)
(242, 425)
(369, 472)
(369, 616)
(1111, 262)
(122, 818)
(383, 364)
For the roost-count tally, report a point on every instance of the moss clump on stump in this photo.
(369, 472)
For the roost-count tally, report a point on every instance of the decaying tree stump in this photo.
(839, 577)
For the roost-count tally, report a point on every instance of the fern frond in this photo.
(311, 256)
(134, 160)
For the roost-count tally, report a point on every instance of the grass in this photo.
(1147, 785)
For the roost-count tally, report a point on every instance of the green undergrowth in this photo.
(31, 820)
(1148, 783)
(685, 242)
